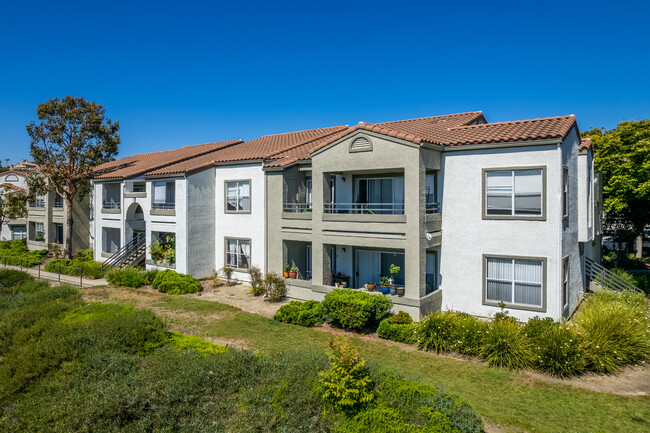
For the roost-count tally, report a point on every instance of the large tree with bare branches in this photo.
(71, 137)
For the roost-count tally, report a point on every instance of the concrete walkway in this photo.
(74, 280)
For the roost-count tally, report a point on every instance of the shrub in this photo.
(128, 277)
(616, 330)
(180, 342)
(401, 318)
(307, 313)
(257, 281)
(436, 332)
(558, 350)
(12, 278)
(402, 332)
(643, 282)
(355, 311)
(89, 268)
(169, 281)
(85, 253)
(18, 250)
(504, 345)
(536, 328)
(275, 287)
(346, 385)
(151, 275)
(227, 274)
(468, 333)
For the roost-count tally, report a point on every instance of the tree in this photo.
(72, 136)
(622, 155)
(13, 204)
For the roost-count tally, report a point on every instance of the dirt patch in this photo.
(238, 296)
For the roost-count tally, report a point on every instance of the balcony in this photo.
(39, 202)
(110, 206)
(163, 206)
(365, 208)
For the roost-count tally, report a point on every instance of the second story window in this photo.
(40, 201)
(565, 192)
(112, 196)
(139, 187)
(58, 201)
(238, 196)
(514, 193)
(164, 195)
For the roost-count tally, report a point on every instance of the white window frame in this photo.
(238, 254)
(513, 281)
(513, 214)
(237, 197)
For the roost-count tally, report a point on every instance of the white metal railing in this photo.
(39, 202)
(297, 207)
(433, 208)
(163, 206)
(365, 208)
(606, 278)
(58, 204)
(111, 204)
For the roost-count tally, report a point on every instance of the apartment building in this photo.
(475, 214)
(11, 182)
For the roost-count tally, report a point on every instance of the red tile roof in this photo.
(585, 144)
(12, 187)
(138, 165)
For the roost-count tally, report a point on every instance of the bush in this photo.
(128, 277)
(89, 268)
(355, 311)
(18, 250)
(275, 287)
(504, 345)
(642, 281)
(468, 333)
(346, 385)
(436, 332)
(257, 281)
(558, 350)
(402, 332)
(536, 328)
(401, 318)
(616, 330)
(84, 254)
(169, 281)
(11, 278)
(307, 313)
(227, 274)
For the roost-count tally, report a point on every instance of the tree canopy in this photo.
(71, 137)
(622, 155)
(12, 205)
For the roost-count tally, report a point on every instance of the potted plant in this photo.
(286, 268)
(394, 270)
(293, 272)
(385, 285)
(370, 287)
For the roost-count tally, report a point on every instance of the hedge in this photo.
(18, 250)
(307, 313)
(89, 268)
(170, 281)
(354, 310)
(130, 277)
(402, 332)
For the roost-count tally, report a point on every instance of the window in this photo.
(11, 178)
(39, 231)
(139, 187)
(238, 196)
(58, 233)
(58, 201)
(238, 253)
(565, 192)
(514, 281)
(110, 240)
(40, 201)
(164, 195)
(112, 197)
(514, 193)
(18, 232)
(565, 282)
(308, 191)
(432, 273)
(383, 195)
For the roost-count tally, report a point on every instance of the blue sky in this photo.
(180, 73)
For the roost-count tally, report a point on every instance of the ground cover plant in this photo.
(69, 365)
(83, 260)
(18, 250)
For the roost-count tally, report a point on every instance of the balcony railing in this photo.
(433, 208)
(297, 207)
(163, 206)
(58, 204)
(39, 202)
(365, 208)
(111, 205)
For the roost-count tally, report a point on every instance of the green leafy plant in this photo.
(402, 332)
(286, 267)
(559, 350)
(164, 249)
(308, 313)
(128, 277)
(401, 318)
(468, 333)
(203, 348)
(347, 386)
(394, 270)
(84, 264)
(355, 311)
(504, 345)
(227, 274)
(169, 281)
(56, 250)
(435, 332)
(384, 281)
(257, 281)
(11, 278)
(18, 250)
(293, 269)
(275, 287)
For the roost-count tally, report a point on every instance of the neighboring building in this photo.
(25, 165)
(473, 213)
(13, 181)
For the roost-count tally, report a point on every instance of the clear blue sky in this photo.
(187, 72)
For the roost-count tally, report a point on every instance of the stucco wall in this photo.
(241, 225)
(201, 223)
(466, 236)
(5, 232)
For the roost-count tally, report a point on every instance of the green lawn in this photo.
(512, 400)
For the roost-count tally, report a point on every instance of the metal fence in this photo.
(37, 264)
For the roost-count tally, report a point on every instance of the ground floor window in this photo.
(163, 247)
(432, 272)
(58, 233)
(36, 231)
(110, 240)
(18, 232)
(238, 253)
(514, 281)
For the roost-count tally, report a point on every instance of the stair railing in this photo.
(125, 252)
(606, 278)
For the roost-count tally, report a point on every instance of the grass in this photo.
(513, 400)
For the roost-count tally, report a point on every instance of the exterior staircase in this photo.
(600, 278)
(131, 254)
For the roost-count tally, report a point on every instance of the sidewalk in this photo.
(74, 280)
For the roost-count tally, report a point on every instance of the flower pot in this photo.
(285, 274)
(393, 290)
(400, 291)
(293, 275)
(385, 290)
(370, 287)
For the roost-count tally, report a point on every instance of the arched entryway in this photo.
(134, 221)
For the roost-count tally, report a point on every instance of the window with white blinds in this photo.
(238, 196)
(515, 193)
(238, 253)
(514, 281)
